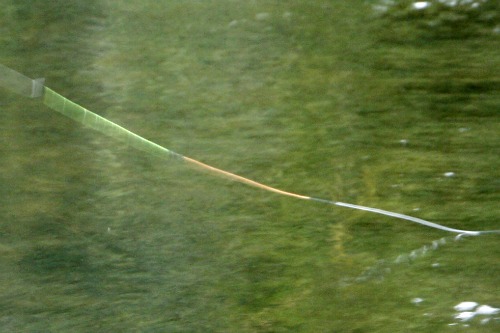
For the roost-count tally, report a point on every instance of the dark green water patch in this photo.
(48, 259)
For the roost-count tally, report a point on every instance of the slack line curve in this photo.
(22, 85)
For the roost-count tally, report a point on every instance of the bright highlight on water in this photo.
(25, 86)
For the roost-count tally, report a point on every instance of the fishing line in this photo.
(25, 86)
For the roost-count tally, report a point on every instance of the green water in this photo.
(325, 98)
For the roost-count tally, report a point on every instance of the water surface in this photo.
(325, 98)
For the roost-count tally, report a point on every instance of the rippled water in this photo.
(332, 99)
